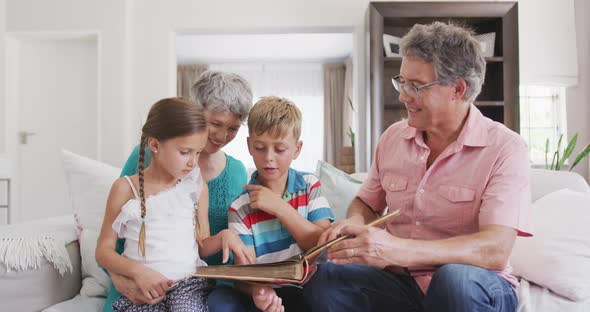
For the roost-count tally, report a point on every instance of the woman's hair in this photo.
(167, 119)
(275, 115)
(218, 91)
(452, 49)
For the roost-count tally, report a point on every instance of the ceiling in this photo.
(263, 47)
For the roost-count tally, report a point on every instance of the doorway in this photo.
(53, 88)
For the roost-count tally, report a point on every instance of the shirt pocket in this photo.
(456, 194)
(394, 183)
(461, 201)
(396, 194)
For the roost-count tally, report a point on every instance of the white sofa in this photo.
(45, 289)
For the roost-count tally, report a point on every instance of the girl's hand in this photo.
(152, 284)
(266, 299)
(231, 241)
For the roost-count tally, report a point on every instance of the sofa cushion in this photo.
(338, 187)
(558, 256)
(36, 289)
(544, 182)
(89, 183)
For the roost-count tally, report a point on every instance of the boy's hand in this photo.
(152, 284)
(266, 299)
(264, 199)
(231, 241)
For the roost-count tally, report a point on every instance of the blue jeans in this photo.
(224, 298)
(454, 287)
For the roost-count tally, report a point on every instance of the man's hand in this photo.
(335, 229)
(129, 289)
(264, 199)
(266, 299)
(231, 241)
(370, 246)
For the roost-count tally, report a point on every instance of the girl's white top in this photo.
(170, 244)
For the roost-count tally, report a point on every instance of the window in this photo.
(302, 83)
(542, 117)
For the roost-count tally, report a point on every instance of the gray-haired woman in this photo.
(227, 99)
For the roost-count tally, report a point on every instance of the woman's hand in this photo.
(266, 299)
(129, 289)
(151, 284)
(231, 241)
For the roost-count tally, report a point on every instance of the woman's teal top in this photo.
(226, 187)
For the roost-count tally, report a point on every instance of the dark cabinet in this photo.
(499, 97)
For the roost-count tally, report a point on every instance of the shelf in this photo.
(494, 59)
(398, 59)
(498, 99)
(393, 59)
(489, 103)
(394, 106)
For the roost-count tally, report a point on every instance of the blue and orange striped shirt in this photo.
(263, 231)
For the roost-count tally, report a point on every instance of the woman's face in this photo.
(223, 127)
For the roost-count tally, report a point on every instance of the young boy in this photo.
(281, 212)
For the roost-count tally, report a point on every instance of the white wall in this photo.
(155, 24)
(136, 49)
(3, 115)
(578, 98)
(109, 19)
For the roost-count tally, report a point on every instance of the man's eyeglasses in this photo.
(410, 89)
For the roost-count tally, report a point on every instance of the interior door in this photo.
(57, 100)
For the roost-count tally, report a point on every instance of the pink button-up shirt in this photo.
(481, 178)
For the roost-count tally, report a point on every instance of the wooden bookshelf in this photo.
(499, 97)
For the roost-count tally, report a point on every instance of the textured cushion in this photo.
(338, 187)
(558, 256)
(36, 289)
(89, 183)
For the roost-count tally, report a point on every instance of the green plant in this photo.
(559, 159)
(350, 132)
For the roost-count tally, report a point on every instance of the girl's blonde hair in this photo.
(275, 115)
(167, 119)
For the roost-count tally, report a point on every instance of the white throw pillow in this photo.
(338, 187)
(558, 255)
(89, 183)
(95, 282)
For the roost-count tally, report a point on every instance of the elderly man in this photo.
(460, 181)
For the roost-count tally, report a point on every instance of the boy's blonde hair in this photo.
(275, 115)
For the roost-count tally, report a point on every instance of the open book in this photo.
(295, 271)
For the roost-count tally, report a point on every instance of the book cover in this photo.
(295, 271)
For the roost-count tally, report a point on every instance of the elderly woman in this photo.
(227, 100)
(460, 181)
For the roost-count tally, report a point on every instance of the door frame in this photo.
(12, 59)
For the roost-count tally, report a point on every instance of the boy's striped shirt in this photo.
(263, 231)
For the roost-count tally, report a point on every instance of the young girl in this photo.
(162, 212)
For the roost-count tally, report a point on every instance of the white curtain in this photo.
(301, 83)
(186, 76)
(334, 104)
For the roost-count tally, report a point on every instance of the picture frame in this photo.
(487, 43)
(391, 45)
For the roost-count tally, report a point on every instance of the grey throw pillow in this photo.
(338, 187)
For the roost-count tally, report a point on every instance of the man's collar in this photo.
(473, 133)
